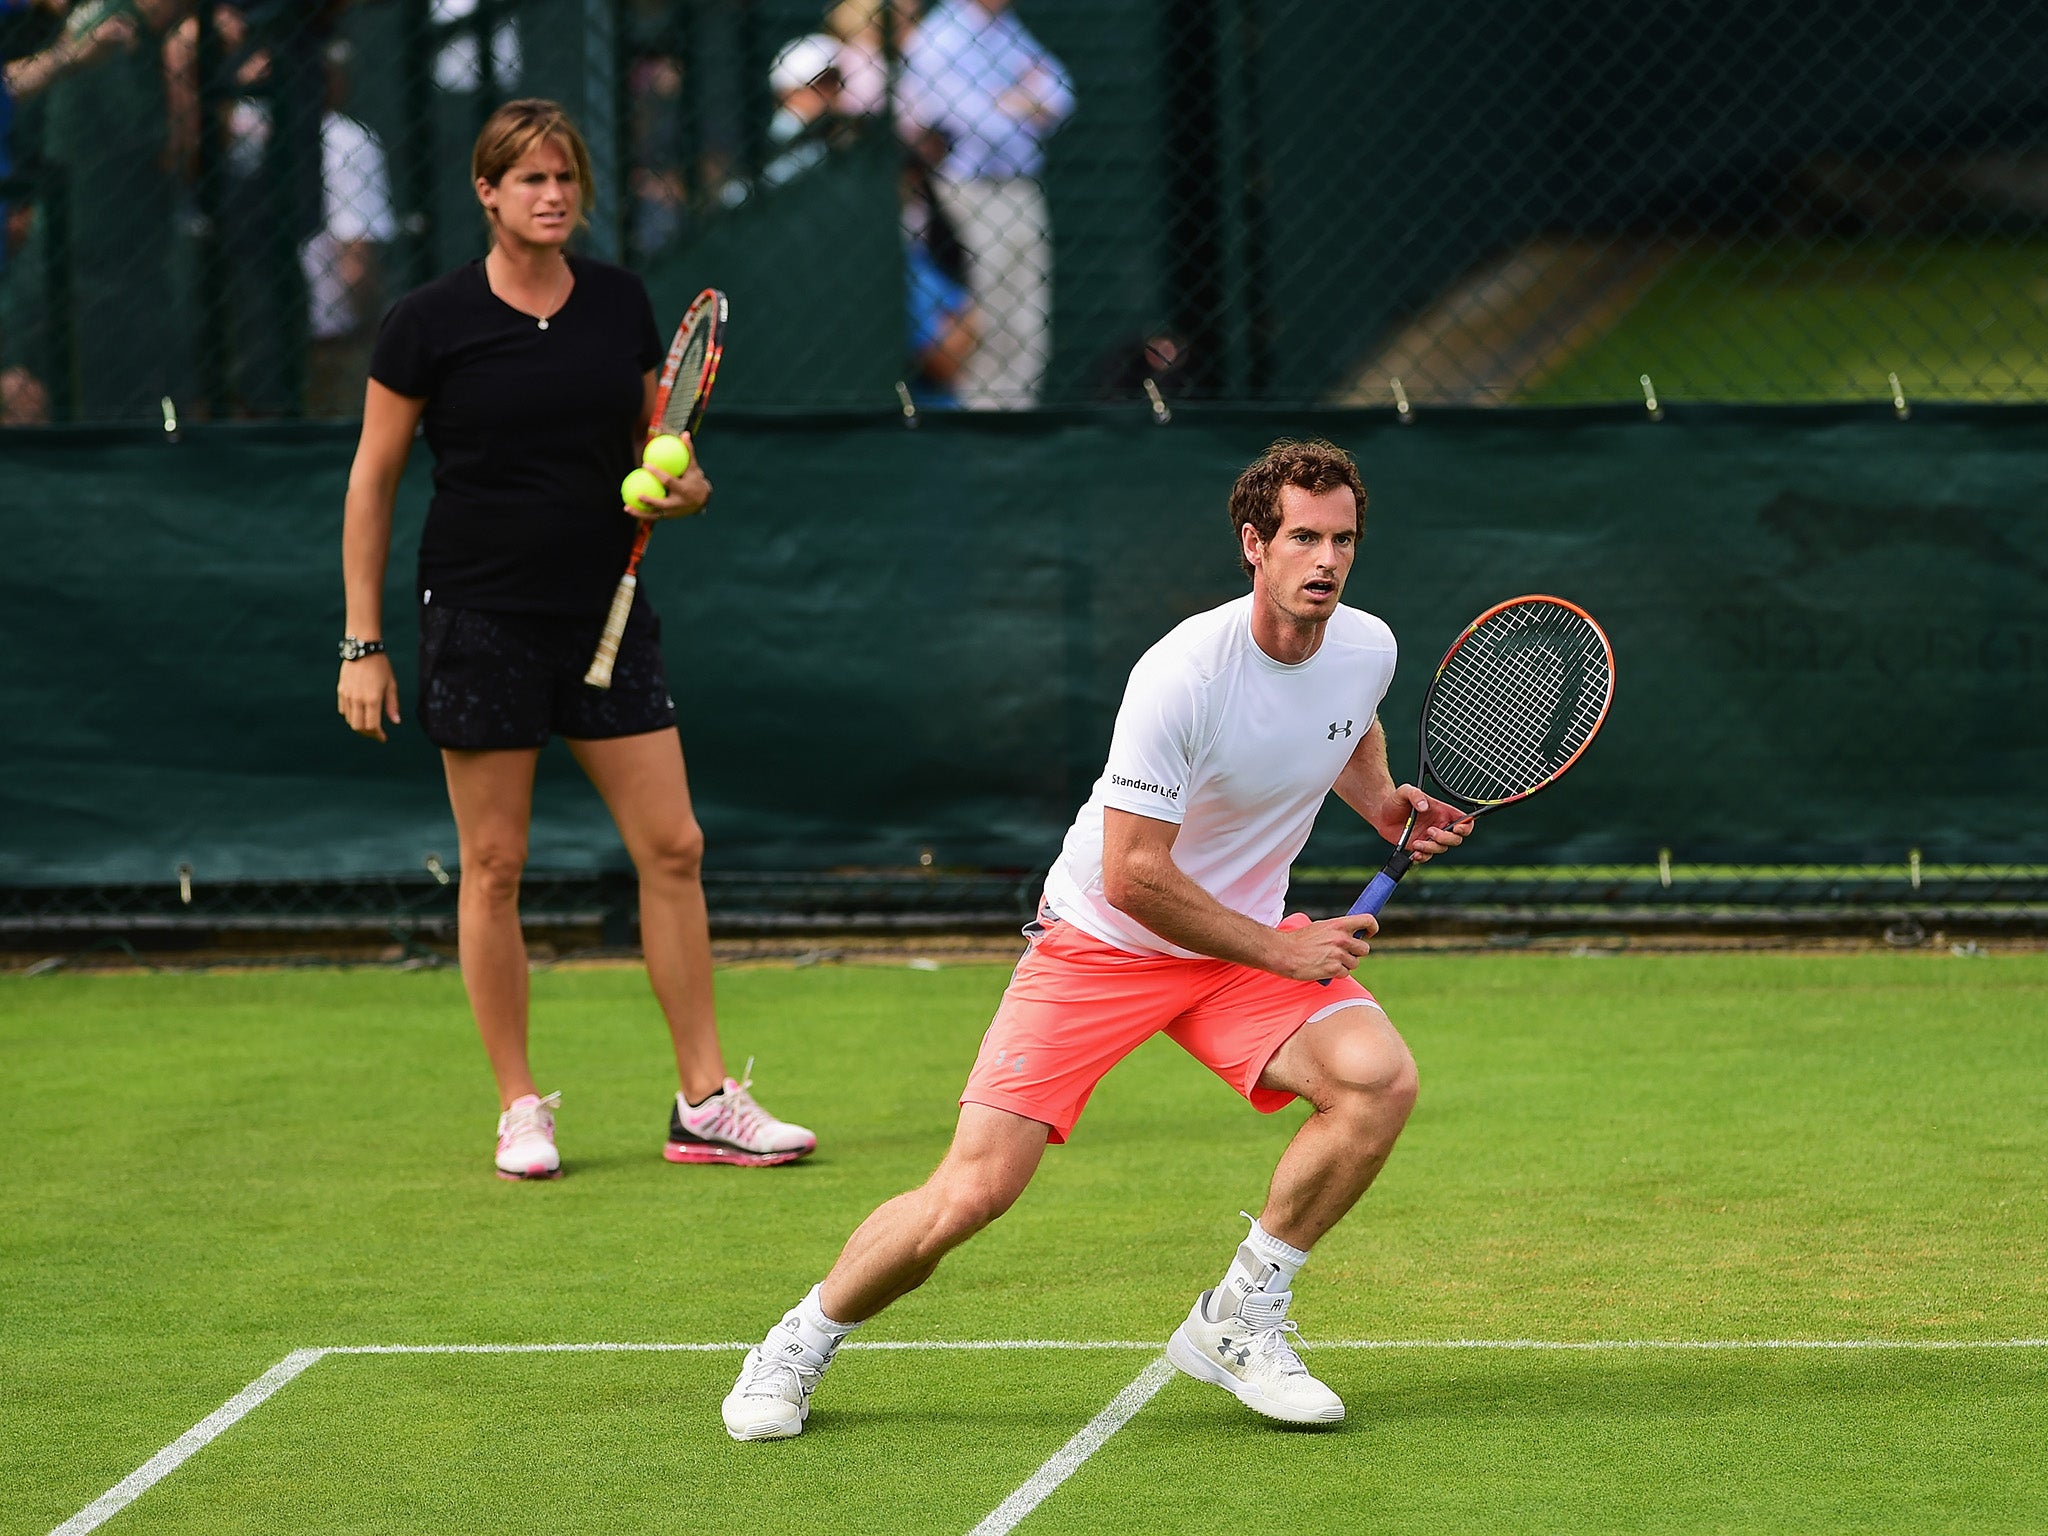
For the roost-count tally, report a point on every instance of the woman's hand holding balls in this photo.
(657, 490)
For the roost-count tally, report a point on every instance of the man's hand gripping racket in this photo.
(680, 396)
(1516, 701)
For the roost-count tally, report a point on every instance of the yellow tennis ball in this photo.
(639, 488)
(667, 453)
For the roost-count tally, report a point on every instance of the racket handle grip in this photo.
(1375, 895)
(600, 673)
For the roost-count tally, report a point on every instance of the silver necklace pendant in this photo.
(543, 322)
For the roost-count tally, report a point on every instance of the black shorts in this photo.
(492, 681)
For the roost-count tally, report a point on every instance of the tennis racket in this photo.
(680, 397)
(1516, 701)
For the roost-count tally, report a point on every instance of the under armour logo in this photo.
(1232, 1350)
(1014, 1063)
(1337, 730)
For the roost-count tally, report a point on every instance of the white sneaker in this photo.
(772, 1397)
(729, 1127)
(526, 1139)
(1247, 1352)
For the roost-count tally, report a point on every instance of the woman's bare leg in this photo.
(492, 797)
(645, 787)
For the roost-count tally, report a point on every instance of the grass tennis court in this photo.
(213, 1170)
(1790, 320)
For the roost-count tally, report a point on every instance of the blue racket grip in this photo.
(1374, 896)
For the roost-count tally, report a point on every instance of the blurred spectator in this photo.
(810, 116)
(44, 59)
(1160, 356)
(460, 62)
(24, 29)
(976, 77)
(478, 63)
(654, 87)
(120, 120)
(23, 399)
(252, 244)
(274, 202)
(24, 402)
(943, 322)
(863, 63)
(340, 261)
(27, 28)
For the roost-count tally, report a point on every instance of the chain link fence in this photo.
(985, 205)
(1908, 906)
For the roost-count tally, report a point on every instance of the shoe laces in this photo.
(532, 1116)
(1277, 1347)
(802, 1367)
(738, 1108)
(1264, 1314)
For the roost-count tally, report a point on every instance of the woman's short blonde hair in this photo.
(515, 128)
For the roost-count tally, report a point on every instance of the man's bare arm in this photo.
(1140, 879)
(1367, 786)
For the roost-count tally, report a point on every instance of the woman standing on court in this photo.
(532, 372)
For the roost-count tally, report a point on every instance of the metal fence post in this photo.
(215, 340)
(601, 122)
(61, 295)
(414, 163)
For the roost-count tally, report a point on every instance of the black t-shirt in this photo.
(531, 430)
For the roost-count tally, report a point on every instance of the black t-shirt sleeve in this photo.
(652, 348)
(403, 360)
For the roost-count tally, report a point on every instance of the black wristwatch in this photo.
(353, 649)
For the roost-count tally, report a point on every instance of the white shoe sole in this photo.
(1191, 1361)
(773, 1429)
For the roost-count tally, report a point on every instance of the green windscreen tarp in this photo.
(1832, 632)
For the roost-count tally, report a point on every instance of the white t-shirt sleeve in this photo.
(1152, 751)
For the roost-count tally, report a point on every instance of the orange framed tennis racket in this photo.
(680, 397)
(1515, 702)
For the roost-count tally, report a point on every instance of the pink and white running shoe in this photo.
(526, 1139)
(729, 1127)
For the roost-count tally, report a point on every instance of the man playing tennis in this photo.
(1163, 913)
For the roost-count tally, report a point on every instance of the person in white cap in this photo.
(979, 80)
(808, 88)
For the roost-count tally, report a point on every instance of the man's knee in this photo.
(964, 1200)
(1367, 1069)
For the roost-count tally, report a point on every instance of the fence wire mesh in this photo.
(1054, 202)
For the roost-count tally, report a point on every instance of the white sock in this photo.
(1262, 1263)
(820, 1332)
(1284, 1257)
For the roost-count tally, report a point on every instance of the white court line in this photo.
(181, 1450)
(1066, 1461)
(259, 1391)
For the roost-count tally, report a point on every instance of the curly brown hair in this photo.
(1314, 465)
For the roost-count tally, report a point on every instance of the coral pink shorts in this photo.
(1078, 1006)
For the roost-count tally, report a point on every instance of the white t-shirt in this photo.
(1239, 749)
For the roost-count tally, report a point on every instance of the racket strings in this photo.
(688, 382)
(1516, 701)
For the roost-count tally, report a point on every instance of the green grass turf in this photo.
(212, 1170)
(1786, 321)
